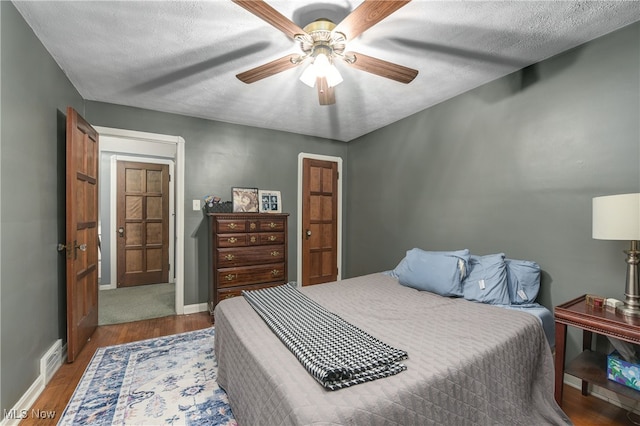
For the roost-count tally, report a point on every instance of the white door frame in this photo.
(301, 157)
(151, 144)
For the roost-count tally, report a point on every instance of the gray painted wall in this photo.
(35, 94)
(509, 167)
(220, 156)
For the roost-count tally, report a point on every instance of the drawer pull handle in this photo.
(275, 253)
(275, 272)
(253, 225)
(229, 296)
(232, 225)
(229, 257)
(272, 237)
(253, 239)
(233, 240)
(272, 225)
(230, 277)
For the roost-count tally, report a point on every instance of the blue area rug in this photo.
(169, 380)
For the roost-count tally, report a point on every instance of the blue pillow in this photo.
(395, 273)
(523, 281)
(439, 272)
(487, 280)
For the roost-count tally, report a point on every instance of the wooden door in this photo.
(319, 221)
(143, 223)
(81, 232)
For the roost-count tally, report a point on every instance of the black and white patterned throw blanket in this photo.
(336, 353)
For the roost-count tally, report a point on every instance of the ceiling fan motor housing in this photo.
(319, 38)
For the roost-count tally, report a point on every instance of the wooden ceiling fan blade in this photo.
(382, 68)
(268, 69)
(267, 13)
(326, 94)
(365, 16)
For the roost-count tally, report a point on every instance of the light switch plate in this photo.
(196, 205)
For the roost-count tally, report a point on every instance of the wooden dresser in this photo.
(248, 251)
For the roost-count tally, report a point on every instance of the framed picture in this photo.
(244, 200)
(270, 201)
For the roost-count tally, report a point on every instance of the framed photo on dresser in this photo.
(270, 201)
(245, 200)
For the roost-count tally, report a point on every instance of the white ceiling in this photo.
(182, 57)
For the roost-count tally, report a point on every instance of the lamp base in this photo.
(631, 305)
(632, 311)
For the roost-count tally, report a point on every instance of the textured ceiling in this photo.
(182, 57)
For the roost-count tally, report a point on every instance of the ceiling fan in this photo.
(322, 42)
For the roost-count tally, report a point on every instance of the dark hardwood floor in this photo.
(582, 410)
(589, 410)
(60, 389)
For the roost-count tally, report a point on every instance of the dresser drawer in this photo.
(229, 257)
(230, 292)
(231, 240)
(270, 238)
(273, 224)
(244, 275)
(230, 225)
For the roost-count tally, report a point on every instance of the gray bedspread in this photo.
(469, 363)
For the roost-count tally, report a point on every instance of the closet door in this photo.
(319, 221)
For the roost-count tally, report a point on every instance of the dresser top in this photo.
(247, 215)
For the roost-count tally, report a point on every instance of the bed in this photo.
(468, 363)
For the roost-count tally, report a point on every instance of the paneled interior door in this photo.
(319, 221)
(81, 232)
(143, 223)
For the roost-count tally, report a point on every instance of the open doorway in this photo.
(161, 299)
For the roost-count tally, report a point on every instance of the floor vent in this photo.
(51, 361)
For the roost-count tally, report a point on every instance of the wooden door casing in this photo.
(81, 244)
(319, 221)
(143, 223)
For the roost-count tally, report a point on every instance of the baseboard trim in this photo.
(604, 394)
(195, 308)
(22, 410)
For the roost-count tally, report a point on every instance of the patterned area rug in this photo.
(169, 380)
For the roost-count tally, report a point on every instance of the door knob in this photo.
(121, 231)
(81, 247)
(308, 233)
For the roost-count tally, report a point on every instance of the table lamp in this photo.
(617, 217)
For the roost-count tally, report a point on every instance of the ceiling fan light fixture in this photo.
(308, 76)
(321, 66)
(324, 68)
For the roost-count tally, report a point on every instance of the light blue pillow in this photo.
(438, 272)
(487, 280)
(523, 281)
(395, 273)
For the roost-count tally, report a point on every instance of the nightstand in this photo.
(591, 366)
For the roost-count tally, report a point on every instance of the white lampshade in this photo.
(616, 217)
(308, 76)
(321, 67)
